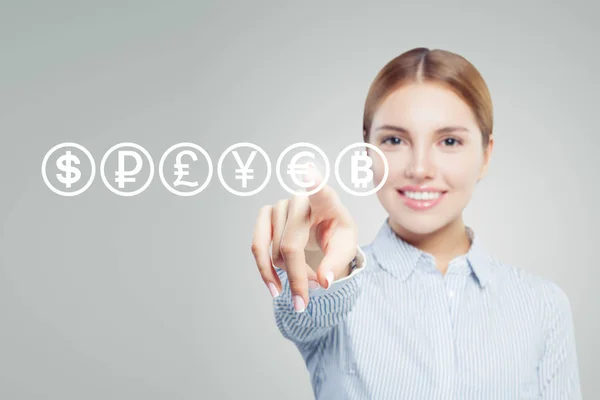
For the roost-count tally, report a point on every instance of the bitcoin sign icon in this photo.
(360, 169)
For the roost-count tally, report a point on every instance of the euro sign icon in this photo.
(121, 175)
(182, 169)
(294, 169)
(361, 156)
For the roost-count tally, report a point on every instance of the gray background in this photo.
(157, 296)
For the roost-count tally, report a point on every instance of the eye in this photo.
(392, 140)
(452, 142)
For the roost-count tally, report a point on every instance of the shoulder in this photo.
(548, 296)
(510, 274)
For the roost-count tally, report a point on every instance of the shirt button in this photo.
(352, 368)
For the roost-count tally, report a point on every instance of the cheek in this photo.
(460, 174)
(378, 167)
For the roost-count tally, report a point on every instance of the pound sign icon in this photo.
(183, 169)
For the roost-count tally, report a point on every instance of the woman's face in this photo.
(407, 127)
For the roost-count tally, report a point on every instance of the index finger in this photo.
(293, 242)
(261, 241)
(326, 198)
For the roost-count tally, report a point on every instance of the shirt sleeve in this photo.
(326, 307)
(558, 369)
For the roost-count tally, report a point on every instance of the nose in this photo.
(420, 167)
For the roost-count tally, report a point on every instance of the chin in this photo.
(419, 225)
(419, 222)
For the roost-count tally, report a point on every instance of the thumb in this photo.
(340, 251)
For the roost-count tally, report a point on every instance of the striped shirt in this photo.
(396, 328)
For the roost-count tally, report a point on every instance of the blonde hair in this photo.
(421, 65)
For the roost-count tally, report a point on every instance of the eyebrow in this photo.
(444, 130)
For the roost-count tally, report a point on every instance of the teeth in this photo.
(422, 195)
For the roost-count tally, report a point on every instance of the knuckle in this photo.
(277, 260)
(280, 203)
(265, 209)
(265, 277)
(288, 249)
(255, 248)
(276, 257)
(296, 284)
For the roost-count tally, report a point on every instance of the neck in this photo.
(444, 244)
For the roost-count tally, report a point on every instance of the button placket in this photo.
(454, 284)
(446, 336)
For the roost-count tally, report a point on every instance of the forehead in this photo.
(423, 106)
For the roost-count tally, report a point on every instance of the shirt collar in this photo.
(400, 258)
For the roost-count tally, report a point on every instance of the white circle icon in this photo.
(337, 169)
(127, 176)
(68, 169)
(293, 167)
(191, 154)
(243, 168)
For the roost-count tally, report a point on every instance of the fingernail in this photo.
(298, 303)
(273, 289)
(313, 284)
(313, 172)
(329, 278)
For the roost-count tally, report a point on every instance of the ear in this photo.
(487, 156)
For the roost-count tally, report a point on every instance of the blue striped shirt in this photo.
(396, 328)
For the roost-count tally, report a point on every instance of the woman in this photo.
(424, 311)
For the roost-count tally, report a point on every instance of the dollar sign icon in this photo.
(357, 157)
(71, 174)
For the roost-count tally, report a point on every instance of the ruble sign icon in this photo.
(123, 174)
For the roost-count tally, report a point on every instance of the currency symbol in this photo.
(245, 172)
(355, 168)
(182, 169)
(123, 176)
(71, 174)
(294, 169)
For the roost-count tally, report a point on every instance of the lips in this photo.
(401, 191)
(421, 188)
(422, 204)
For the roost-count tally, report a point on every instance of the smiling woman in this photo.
(424, 311)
